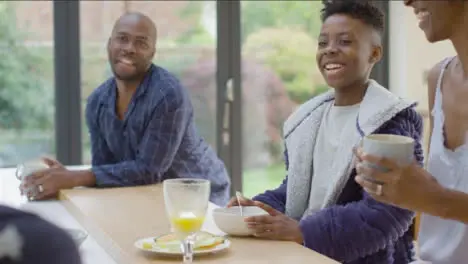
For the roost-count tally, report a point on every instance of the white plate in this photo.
(171, 252)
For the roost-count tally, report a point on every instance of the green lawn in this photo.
(256, 181)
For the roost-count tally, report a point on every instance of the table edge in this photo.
(106, 243)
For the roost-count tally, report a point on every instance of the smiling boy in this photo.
(319, 204)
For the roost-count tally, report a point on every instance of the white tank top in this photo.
(444, 241)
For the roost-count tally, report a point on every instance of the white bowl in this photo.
(230, 221)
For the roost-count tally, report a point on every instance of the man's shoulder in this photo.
(167, 79)
(100, 92)
(167, 85)
(163, 74)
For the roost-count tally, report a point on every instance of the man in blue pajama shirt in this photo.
(141, 125)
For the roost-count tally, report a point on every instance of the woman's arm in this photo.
(449, 204)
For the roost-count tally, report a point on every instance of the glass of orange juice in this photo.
(186, 203)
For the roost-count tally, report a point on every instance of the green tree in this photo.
(195, 34)
(303, 15)
(25, 97)
(256, 15)
(291, 54)
(283, 35)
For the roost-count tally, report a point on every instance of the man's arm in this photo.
(155, 154)
(100, 153)
(157, 149)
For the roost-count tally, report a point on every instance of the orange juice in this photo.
(187, 223)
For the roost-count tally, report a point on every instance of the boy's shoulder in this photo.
(408, 116)
(303, 110)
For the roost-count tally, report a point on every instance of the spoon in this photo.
(239, 197)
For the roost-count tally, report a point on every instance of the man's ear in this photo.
(153, 53)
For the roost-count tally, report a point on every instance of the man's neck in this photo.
(126, 88)
(460, 43)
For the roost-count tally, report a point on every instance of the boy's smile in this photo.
(345, 53)
(334, 70)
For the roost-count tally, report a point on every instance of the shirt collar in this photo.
(111, 95)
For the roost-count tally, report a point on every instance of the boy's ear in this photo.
(376, 55)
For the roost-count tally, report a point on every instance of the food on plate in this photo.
(203, 241)
(147, 245)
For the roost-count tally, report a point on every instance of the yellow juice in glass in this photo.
(187, 223)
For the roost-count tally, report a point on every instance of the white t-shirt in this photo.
(337, 121)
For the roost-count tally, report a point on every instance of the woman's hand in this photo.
(410, 187)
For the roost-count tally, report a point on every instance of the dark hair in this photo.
(358, 9)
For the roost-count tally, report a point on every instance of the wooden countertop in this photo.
(117, 217)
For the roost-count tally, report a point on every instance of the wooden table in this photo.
(117, 217)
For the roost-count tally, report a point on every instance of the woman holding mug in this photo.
(441, 191)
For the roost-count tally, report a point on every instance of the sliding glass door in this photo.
(186, 46)
(246, 64)
(279, 72)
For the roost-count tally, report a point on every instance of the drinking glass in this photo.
(186, 203)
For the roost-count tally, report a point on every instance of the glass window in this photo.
(186, 46)
(26, 81)
(279, 72)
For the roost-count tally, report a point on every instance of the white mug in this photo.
(394, 147)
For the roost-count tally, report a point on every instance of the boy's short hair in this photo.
(363, 10)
